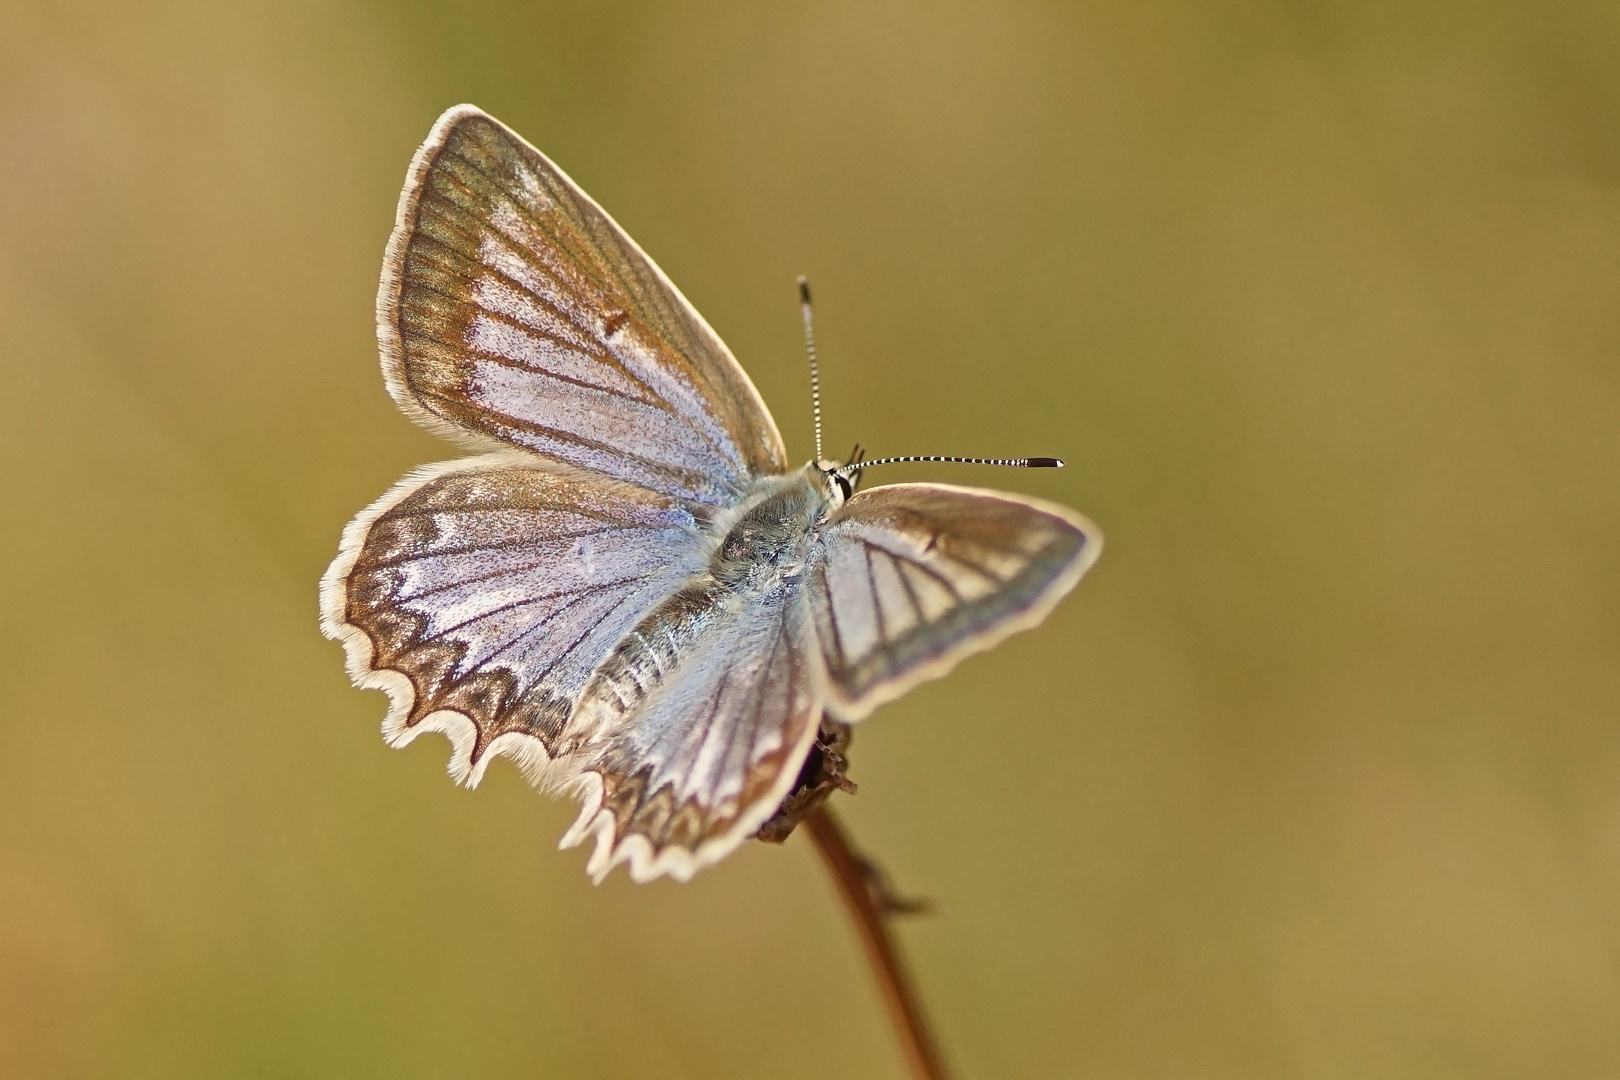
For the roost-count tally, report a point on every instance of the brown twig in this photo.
(851, 873)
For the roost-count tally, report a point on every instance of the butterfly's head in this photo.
(838, 479)
(832, 480)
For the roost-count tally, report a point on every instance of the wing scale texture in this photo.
(514, 309)
(914, 577)
(482, 595)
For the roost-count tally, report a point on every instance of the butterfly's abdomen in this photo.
(764, 547)
(649, 653)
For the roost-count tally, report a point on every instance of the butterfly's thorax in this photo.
(761, 553)
(768, 540)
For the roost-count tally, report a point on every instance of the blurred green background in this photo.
(1317, 775)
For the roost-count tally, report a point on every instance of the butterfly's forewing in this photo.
(914, 577)
(482, 594)
(514, 309)
(708, 754)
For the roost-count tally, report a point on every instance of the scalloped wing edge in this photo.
(854, 710)
(679, 863)
(527, 752)
(548, 775)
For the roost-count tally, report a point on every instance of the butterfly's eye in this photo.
(843, 484)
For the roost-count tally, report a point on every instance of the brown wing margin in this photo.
(699, 765)
(514, 311)
(914, 578)
(480, 594)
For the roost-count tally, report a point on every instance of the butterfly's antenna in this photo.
(810, 348)
(1016, 463)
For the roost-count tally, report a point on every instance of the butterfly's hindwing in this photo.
(912, 578)
(705, 753)
(692, 732)
(491, 588)
(514, 309)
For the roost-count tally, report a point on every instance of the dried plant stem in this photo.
(905, 1010)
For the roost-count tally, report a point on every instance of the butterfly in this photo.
(627, 589)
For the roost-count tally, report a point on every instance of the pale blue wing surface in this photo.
(513, 310)
(911, 578)
(711, 710)
(482, 595)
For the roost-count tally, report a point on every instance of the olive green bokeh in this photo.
(1317, 775)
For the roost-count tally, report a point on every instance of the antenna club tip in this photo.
(1044, 463)
(804, 289)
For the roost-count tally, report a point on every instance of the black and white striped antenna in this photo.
(810, 348)
(856, 466)
(1017, 463)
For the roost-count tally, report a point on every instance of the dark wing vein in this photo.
(509, 571)
(520, 424)
(578, 595)
(832, 616)
(877, 601)
(924, 567)
(568, 650)
(911, 592)
(545, 621)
